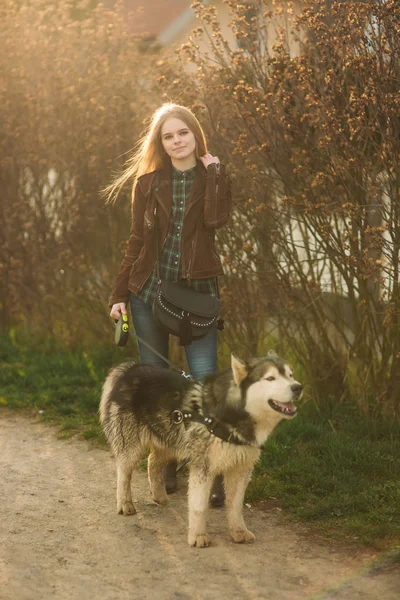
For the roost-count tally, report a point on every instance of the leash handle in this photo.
(121, 330)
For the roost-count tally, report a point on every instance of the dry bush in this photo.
(312, 141)
(310, 135)
(73, 95)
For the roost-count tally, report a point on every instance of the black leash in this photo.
(135, 335)
(123, 331)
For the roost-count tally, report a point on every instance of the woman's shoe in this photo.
(217, 496)
(169, 477)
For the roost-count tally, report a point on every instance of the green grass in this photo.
(334, 469)
(61, 385)
(337, 470)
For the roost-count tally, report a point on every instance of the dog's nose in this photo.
(297, 388)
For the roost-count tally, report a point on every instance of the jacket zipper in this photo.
(217, 172)
(149, 223)
(213, 250)
(154, 264)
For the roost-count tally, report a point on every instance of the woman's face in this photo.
(178, 141)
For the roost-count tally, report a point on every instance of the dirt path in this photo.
(61, 538)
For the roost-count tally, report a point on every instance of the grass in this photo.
(61, 385)
(334, 469)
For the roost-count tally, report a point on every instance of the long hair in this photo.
(148, 154)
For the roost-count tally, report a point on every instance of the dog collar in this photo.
(214, 426)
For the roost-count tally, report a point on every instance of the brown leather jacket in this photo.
(207, 209)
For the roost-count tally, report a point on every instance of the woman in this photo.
(173, 168)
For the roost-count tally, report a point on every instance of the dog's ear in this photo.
(239, 368)
(272, 354)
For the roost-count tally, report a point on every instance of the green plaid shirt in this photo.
(182, 182)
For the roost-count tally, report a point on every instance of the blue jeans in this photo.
(201, 355)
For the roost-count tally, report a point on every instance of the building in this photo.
(170, 22)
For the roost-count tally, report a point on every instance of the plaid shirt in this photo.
(182, 182)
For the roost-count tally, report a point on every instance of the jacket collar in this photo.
(163, 189)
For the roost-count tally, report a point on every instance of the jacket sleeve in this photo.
(218, 200)
(120, 292)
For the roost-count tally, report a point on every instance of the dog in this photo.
(219, 425)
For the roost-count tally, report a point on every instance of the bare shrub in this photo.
(312, 140)
(309, 130)
(73, 97)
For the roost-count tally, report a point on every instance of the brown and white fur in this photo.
(250, 399)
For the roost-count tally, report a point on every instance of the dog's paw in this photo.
(161, 499)
(242, 536)
(126, 508)
(199, 541)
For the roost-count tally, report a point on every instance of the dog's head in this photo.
(269, 389)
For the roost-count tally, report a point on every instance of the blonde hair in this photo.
(149, 154)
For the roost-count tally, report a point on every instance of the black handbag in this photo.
(180, 310)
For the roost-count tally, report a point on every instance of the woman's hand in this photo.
(117, 309)
(209, 159)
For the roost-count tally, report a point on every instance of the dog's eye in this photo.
(270, 378)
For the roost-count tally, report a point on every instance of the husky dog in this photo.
(219, 425)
